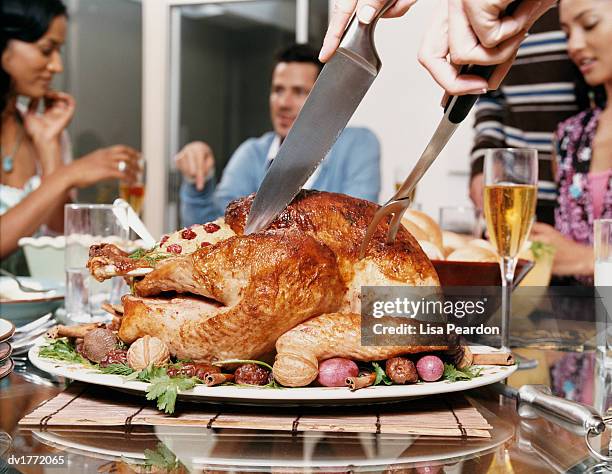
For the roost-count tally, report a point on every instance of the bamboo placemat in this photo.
(84, 405)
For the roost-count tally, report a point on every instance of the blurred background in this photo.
(158, 75)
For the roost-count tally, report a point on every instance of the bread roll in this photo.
(485, 244)
(432, 252)
(415, 230)
(473, 254)
(427, 225)
(453, 241)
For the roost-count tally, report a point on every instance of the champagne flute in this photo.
(511, 177)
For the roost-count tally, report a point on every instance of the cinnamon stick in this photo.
(362, 381)
(494, 358)
(212, 379)
(78, 330)
(114, 309)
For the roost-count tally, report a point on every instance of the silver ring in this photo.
(596, 454)
(122, 166)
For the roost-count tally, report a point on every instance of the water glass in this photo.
(86, 225)
(603, 283)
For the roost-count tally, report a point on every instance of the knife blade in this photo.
(335, 96)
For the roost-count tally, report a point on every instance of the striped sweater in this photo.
(538, 94)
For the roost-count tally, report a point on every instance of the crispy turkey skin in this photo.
(253, 289)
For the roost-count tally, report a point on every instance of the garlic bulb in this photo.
(146, 351)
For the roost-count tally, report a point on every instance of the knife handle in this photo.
(540, 399)
(458, 107)
(358, 38)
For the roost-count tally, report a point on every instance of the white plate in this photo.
(7, 329)
(286, 396)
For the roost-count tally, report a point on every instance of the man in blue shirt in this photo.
(351, 167)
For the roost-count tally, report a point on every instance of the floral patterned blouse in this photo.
(574, 213)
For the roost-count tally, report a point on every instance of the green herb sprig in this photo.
(163, 388)
(62, 349)
(116, 369)
(453, 374)
(381, 376)
(162, 458)
(149, 257)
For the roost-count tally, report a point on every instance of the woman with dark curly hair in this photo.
(36, 169)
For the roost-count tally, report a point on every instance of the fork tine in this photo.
(380, 214)
(394, 226)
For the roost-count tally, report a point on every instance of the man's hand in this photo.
(366, 11)
(195, 161)
(476, 32)
(462, 32)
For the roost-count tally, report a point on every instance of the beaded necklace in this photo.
(8, 161)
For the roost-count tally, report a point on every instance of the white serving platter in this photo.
(279, 397)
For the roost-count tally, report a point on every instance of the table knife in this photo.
(336, 94)
(537, 400)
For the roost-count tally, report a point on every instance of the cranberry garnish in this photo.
(188, 234)
(211, 227)
(174, 248)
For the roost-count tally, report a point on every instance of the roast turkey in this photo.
(236, 297)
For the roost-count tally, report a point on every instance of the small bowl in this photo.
(28, 307)
(453, 273)
(45, 257)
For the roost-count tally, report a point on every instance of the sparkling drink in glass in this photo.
(511, 177)
(134, 192)
(84, 226)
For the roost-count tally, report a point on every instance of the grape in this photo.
(334, 372)
(430, 368)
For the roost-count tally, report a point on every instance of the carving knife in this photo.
(336, 94)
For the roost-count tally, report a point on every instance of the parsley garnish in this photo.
(162, 457)
(62, 349)
(381, 376)
(116, 369)
(453, 374)
(163, 388)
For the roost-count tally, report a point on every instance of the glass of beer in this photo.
(133, 192)
(511, 177)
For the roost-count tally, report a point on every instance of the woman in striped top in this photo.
(541, 90)
(584, 144)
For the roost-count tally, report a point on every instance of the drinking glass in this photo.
(86, 225)
(461, 220)
(603, 283)
(511, 177)
(133, 192)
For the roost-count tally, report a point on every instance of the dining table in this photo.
(563, 355)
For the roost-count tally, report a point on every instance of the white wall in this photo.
(403, 109)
